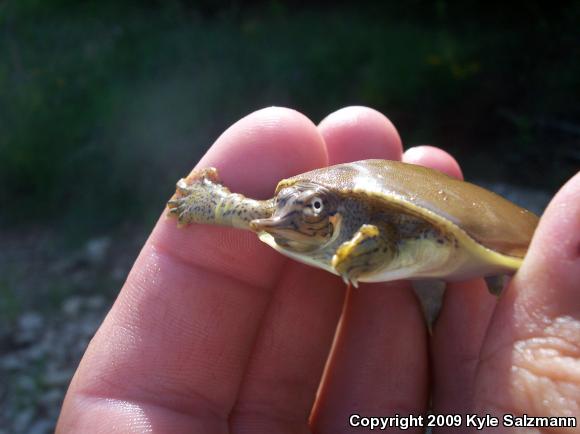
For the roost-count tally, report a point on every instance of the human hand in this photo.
(214, 332)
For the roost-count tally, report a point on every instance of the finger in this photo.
(285, 369)
(455, 348)
(180, 333)
(378, 363)
(533, 346)
(435, 158)
(549, 280)
(282, 377)
(342, 133)
(456, 343)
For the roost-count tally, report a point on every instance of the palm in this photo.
(214, 332)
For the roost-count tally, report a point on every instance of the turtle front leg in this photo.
(202, 198)
(367, 251)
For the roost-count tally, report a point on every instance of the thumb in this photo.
(532, 348)
(549, 281)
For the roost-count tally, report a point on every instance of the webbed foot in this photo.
(368, 250)
(195, 197)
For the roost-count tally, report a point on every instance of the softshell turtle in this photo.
(372, 221)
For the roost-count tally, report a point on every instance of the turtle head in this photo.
(304, 218)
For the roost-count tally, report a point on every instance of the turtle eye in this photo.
(317, 205)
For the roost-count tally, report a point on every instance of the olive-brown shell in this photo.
(488, 218)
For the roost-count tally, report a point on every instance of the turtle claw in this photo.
(209, 173)
(173, 204)
(175, 209)
(178, 207)
(181, 187)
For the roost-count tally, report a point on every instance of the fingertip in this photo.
(264, 147)
(552, 264)
(359, 133)
(560, 224)
(251, 157)
(435, 158)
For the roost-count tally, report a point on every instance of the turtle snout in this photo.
(271, 225)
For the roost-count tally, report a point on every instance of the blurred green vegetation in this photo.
(11, 305)
(104, 104)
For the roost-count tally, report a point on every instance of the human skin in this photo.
(214, 332)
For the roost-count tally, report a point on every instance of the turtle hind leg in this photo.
(202, 198)
(368, 250)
